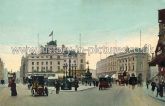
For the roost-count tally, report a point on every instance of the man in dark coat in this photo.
(133, 81)
(13, 88)
(153, 84)
(161, 89)
(76, 85)
(57, 85)
(147, 83)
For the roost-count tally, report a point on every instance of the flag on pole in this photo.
(51, 34)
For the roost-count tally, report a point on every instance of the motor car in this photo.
(38, 86)
(66, 85)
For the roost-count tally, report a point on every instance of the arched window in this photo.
(58, 57)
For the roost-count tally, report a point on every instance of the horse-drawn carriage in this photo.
(103, 83)
(121, 79)
(38, 86)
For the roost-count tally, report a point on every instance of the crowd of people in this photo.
(131, 80)
(156, 85)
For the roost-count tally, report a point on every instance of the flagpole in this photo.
(52, 37)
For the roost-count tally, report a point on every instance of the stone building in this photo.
(1, 70)
(159, 58)
(130, 62)
(54, 61)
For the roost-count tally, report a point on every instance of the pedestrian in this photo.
(94, 83)
(97, 83)
(86, 82)
(90, 83)
(153, 85)
(76, 85)
(147, 84)
(157, 89)
(58, 87)
(133, 80)
(161, 89)
(13, 88)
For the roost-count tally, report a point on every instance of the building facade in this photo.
(136, 63)
(1, 70)
(130, 62)
(159, 58)
(53, 62)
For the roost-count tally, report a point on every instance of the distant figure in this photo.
(147, 83)
(94, 83)
(133, 80)
(153, 84)
(76, 85)
(161, 89)
(13, 88)
(90, 83)
(2, 82)
(140, 80)
(97, 83)
(157, 88)
(57, 85)
(86, 82)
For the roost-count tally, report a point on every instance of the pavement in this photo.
(153, 94)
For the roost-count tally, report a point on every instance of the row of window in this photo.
(127, 68)
(42, 63)
(58, 57)
(125, 60)
(44, 68)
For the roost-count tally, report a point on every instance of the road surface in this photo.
(115, 96)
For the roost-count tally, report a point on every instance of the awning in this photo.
(114, 76)
(159, 59)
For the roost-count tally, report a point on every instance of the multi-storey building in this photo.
(1, 69)
(102, 67)
(130, 62)
(52, 61)
(112, 64)
(159, 58)
(133, 63)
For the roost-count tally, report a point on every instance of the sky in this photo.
(100, 22)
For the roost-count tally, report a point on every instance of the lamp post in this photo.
(75, 71)
(69, 66)
(88, 65)
(65, 68)
(72, 69)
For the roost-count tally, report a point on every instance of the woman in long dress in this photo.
(13, 88)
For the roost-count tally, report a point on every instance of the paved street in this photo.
(116, 96)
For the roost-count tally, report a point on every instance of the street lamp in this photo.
(65, 68)
(72, 69)
(69, 67)
(75, 71)
(88, 65)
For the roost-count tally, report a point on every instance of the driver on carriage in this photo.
(35, 84)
